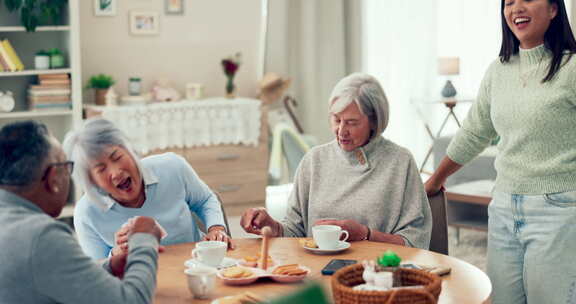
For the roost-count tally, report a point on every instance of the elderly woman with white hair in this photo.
(119, 186)
(360, 181)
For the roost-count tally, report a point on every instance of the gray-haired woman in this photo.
(361, 182)
(118, 186)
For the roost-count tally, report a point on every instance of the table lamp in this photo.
(448, 66)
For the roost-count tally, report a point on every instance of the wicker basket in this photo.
(346, 278)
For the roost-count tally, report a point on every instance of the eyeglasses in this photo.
(69, 167)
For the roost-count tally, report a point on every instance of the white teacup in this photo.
(210, 253)
(201, 281)
(328, 236)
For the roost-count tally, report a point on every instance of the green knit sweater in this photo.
(536, 123)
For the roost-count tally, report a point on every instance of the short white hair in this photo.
(366, 92)
(88, 143)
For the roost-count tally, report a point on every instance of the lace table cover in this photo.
(187, 124)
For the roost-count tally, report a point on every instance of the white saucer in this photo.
(342, 245)
(226, 262)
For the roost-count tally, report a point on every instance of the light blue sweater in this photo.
(172, 189)
(536, 122)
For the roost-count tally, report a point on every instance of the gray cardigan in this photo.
(41, 262)
(377, 185)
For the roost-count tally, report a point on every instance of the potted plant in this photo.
(42, 60)
(100, 83)
(56, 58)
(37, 12)
(230, 66)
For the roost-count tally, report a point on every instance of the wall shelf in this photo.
(34, 114)
(34, 72)
(59, 28)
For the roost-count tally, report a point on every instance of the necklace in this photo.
(525, 76)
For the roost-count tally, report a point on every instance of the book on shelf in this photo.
(49, 99)
(51, 106)
(8, 65)
(3, 66)
(54, 81)
(12, 55)
(49, 92)
(49, 86)
(53, 76)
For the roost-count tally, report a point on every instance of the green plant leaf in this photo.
(104, 4)
(100, 81)
(13, 5)
(28, 18)
(36, 12)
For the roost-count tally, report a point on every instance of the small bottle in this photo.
(134, 86)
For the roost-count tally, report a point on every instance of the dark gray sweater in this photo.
(377, 185)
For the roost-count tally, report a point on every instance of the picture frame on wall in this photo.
(144, 23)
(174, 7)
(105, 7)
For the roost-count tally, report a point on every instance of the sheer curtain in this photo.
(402, 41)
(307, 41)
(469, 30)
(399, 48)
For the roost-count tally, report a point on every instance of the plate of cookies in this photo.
(289, 273)
(239, 275)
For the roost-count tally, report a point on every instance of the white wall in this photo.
(572, 8)
(188, 48)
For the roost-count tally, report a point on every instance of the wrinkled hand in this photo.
(118, 264)
(218, 233)
(123, 235)
(356, 231)
(121, 240)
(432, 186)
(144, 224)
(254, 219)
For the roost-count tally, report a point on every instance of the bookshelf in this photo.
(64, 37)
(35, 72)
(54, 28)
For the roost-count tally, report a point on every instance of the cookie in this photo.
(237, 273)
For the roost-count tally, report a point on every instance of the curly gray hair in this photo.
(88, 143)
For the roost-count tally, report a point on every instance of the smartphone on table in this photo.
(336, 264)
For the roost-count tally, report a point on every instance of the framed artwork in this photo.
(174, 7)
(105, 7)
(144, 23)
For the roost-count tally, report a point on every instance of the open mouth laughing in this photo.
(125, 184)
(522, 22)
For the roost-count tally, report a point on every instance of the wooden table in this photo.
(466, 283)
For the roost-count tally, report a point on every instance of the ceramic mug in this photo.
(201, 281)
(210, 253)
(327, 237)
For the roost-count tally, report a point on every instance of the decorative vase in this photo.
(100, 96)
(56, 60)
(42, 62)
(448, 91)
(230, 88)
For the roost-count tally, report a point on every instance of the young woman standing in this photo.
(528, 98)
